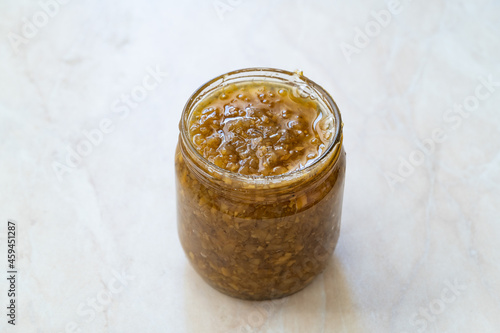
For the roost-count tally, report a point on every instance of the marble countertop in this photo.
(90, 98)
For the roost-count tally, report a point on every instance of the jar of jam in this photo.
(260, 171)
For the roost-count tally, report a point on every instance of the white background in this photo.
(114, 212)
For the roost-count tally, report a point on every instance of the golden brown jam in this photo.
(258, 129)
(266, 222)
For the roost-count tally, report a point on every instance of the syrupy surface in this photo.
(258, 129)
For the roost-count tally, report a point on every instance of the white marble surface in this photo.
(113, 212)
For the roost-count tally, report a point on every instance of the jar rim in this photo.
(335, 144)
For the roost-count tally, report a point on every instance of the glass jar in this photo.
(260, 237)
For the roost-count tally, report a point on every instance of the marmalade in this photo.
(260, 171)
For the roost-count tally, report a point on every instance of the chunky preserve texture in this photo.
(258, 239)
(258, 129)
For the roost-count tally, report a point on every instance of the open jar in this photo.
(253, 236)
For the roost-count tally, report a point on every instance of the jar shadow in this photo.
(324, 306)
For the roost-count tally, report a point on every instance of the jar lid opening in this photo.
(300, 84)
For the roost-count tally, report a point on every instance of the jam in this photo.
(260, 171)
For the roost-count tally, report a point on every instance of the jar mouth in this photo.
(306, 87)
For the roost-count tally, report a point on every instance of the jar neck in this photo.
(268, 188)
